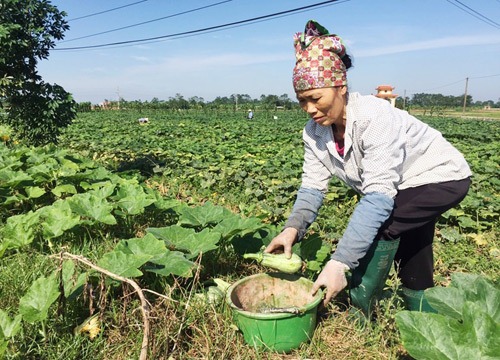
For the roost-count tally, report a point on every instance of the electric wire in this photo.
(454, 83)
(203, 30)
(147, 22)
(482, 77)
(474, 13)
(216, 30)
(106, 11)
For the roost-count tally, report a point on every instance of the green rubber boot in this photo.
(415, 300)
(368, 279)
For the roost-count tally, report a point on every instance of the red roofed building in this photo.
(385, 92)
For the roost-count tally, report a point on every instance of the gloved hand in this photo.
(284, 240)
(332, 277)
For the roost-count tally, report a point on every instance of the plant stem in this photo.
(140, 293)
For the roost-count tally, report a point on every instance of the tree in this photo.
(28, 30)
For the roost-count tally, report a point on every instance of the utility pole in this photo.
(118, 93)
(465, 95)
(404, 100)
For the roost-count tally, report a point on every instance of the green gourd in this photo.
(277, 261)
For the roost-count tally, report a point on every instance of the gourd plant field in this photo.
(112, 242)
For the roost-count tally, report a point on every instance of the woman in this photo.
(405, 171)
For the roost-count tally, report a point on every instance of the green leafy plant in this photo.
(466, 325)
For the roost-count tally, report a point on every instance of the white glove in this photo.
(332, 277)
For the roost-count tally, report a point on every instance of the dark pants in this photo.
(413, 221)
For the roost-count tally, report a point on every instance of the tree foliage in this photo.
(28, 30)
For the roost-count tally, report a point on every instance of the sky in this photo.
(416, 46)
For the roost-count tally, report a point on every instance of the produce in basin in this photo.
(277, 261)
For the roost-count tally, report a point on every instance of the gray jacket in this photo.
(385, 150)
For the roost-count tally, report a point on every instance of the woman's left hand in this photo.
(332, 277)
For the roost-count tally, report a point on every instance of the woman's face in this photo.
(325, 106)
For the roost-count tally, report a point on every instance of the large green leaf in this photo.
(314, 251)
(125, 265)
(446, 301)
(14, 179)
(9, 327)
(3, 346)
(188, 240)
(34, 192)
(201, 216)
(35, 304)
(132, 199)
(172, 263)
(434, 336)
(466, 326)
(147, 245)
(64, 189)
(93, 207)
(57, 219)
(71, 282)
(478, 288)
(253, 242)
(19, 230)
(236, 225)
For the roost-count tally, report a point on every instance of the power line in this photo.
(148, 22)
(474, 13)
(482, 77)
(106, 11)
(442, 86)
(199, 30)
(454, 83)
(215, 30)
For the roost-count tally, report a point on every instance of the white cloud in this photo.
(142, 59)
(205, 63)
(94, 70)
(447, 42)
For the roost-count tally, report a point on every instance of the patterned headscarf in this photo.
(318, 59)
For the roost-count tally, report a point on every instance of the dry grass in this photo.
(477, 114)
(208, 332)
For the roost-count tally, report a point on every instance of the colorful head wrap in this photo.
(318, 59)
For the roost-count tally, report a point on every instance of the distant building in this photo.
(385, 92)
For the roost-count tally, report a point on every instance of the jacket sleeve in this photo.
(368, 216)
(305, 210)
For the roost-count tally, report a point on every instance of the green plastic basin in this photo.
(274, 311)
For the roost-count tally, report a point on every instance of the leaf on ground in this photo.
(125, 265)
(3, 347)
(172, 263)
(64, 189)
(57, 218)
(19, 230)
(34, 192)
(236, 225)
(484, 331)
(178, 238)
(147, 245)
(479, 289)
(132, 199)
(315, 251)
(467, 326)
(14, 179)
(9, 327)
(446, 301)
(430, 336)
(35, 304)
(71, 282)
(201, 216)
(92, 206)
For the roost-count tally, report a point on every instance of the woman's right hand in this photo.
(284, 241)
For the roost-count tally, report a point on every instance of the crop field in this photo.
(111, 241)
